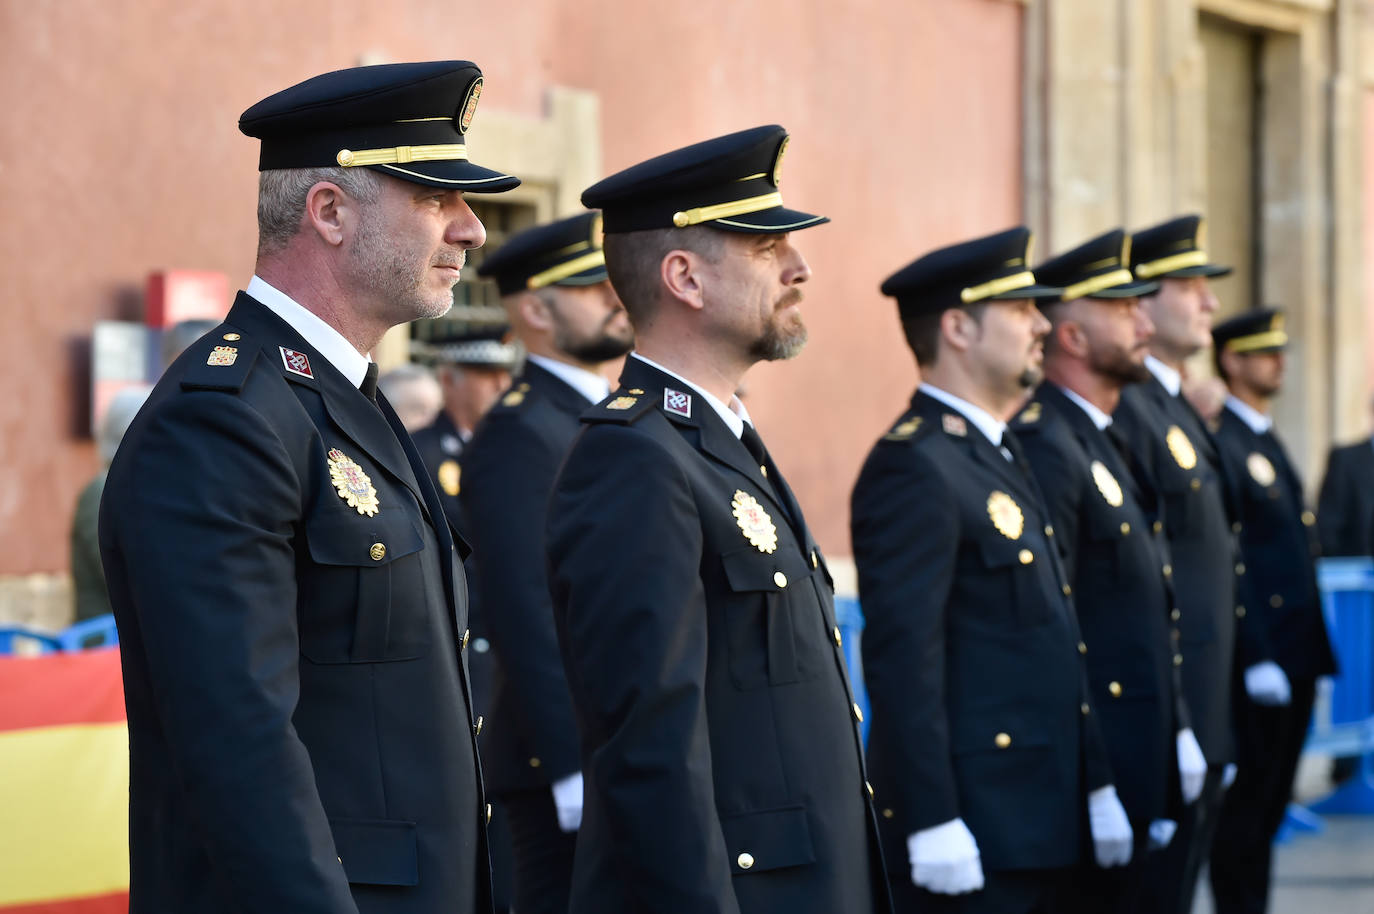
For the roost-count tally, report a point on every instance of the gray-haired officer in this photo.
(720, 741)
(290, 601)
(561, 306)
(1176, 454)
(1102, 511)
(985, 753)
(1283, 644)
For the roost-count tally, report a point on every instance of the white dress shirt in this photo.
(1100, 419)
(1259, 423)
(991, 427)
(588, 383)
(734, 415)
(1169, 377)
(329, 342)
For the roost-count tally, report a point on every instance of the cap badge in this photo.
(470, 105)
(777, 162)
(1006, 515)
(1107, 484)
(954, 425)
(353, 485)
(222, 355)
(296, 362)
(1261, 470)
(1180, 447)
(449, 475)
(677, 403)
(754, 522)
(622, 402)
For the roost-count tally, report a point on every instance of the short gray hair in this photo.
(633, 260)
(281, 199)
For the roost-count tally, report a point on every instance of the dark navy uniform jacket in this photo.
(1345, 507)
(509, 468)
(1283, 620)
(720, 742)
(979, 691)
(1176, 454)
(300, 735)
(1114, 563)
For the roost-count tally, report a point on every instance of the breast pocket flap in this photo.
(768, 840)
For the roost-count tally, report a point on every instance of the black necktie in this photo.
(754, 445)
(369, 385)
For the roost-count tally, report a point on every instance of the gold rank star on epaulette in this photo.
(904, 429)
(516, 396)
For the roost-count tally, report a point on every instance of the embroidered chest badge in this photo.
(677, 403)
(1107, 484)
(353, 485)
(450, 475)
(1006, 515)
(1180, 447)
(754, 522)
(296, 362)
(1261, 470)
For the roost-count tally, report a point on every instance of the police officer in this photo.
(1113, 559)
(1176, 454)
(720, 741)
(986, 755)
(1283, 645)
(290, 600)
(553, 284)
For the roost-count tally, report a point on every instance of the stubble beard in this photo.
(1117, 365)
(596, 349)
(781, 339)
(399, 276)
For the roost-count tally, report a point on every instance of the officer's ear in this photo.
(1071, 339)
(535, 311)
(960, 328)
(681, 273)
(328, 210)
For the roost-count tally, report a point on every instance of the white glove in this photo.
(1161, 833)
(567, 800)
(1267, 684)
(1112, 835)
(945, 860)
(1192, 765)
(1228, 776)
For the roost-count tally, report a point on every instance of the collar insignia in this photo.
(296, 362)
(677, 403)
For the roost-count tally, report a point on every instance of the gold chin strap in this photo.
(997, 287)
(1167, 264)
(1097, 284)
(443, 152)
(1269, 339)
(684, 218)
(567, 268)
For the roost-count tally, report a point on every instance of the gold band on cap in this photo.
(1269, 339)
(1096, 284)
(443, 152)
(1173, 262)
(997, 287)
(701, 214)
(567, 268)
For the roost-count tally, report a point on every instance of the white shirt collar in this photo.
(1259, 423)
(329, 342)
(991, 427)
(588, 383)
(1100, 419)
(1169, 377)
(734, 415)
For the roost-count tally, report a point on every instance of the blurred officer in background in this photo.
(414, 393)
(1113, 558)
(987, 760)
(1175, 453)
(289, 597)
(1283, 645)
(1345, 508)
(720, 742)
(562, 308)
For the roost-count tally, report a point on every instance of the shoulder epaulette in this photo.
(219, 361)
(622, 407)
(1028, 420)
(514, 397)
(905, 429)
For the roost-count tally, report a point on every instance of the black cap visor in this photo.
(1206, 269)
(454, 174)
(588, 277)
(1035, 291)
(776, 220)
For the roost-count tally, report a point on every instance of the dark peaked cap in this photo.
(992, 268)
(729, 183)
(407, 120)
(1098, 268)
(563, 253)
(1260, 330)
(1174, 250)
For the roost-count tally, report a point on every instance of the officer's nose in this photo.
(797, 270)
(465, 230)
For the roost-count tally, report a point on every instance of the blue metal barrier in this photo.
(1345, 727)
(99, 631)
(20, 641)
(851, 621)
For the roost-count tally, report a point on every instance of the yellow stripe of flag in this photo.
(64, 801)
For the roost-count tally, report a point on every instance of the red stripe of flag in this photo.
(111, 903)
(57, 689)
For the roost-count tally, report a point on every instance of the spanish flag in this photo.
(64, 784)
